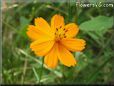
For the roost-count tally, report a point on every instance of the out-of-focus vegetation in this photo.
(20, 65)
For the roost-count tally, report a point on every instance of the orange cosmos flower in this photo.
(56, 41)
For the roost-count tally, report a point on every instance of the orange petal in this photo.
(42, 25)
(51, 59)
(73, 44)
(35, 34)
(57, 21)
(41, 48)
(72, 30)
(65, 56)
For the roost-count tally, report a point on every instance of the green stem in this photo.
(41, 72)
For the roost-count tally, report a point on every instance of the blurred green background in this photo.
(21, 66)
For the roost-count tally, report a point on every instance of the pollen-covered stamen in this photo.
(56, 29)
(66, 30)
(60, 33)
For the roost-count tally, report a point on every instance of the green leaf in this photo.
(97, 26)
(100, 23)
(23, 25)
(23, 22)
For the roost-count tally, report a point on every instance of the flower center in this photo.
(60, 33)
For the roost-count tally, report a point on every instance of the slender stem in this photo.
(24, 71)
(41, 72)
